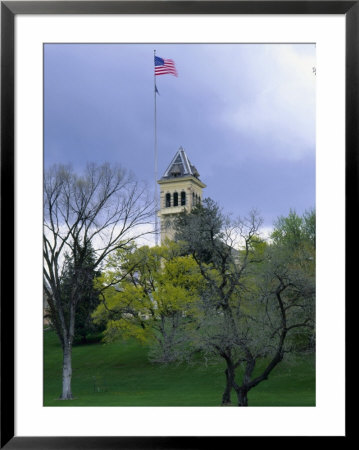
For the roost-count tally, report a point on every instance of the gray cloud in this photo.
(244, 113)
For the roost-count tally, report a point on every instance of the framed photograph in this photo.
(176, 182)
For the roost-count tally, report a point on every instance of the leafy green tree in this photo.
(294, 231)
(295, 236)
(148, 294)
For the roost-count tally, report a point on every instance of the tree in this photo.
(295, 231)
(280, 305)
(104, 208)
(83, 274)
(256, 294)
(295, 236)
(213, 240)
(147, 294)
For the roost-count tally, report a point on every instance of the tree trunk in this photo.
(226, 398)
(66, 372)
(242, 396)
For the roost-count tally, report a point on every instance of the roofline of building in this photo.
(182, 178)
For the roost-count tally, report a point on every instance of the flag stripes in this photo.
(165, 66)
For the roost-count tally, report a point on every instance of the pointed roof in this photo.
(180, 166)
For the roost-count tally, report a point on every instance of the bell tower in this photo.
(180, 189)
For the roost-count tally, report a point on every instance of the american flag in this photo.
(164, 66)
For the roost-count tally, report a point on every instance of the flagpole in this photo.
(155, 151)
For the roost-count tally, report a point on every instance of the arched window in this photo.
(193, 199)
(183, 198)
(175, 199)
(168, 200)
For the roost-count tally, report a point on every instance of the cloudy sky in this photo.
(244, 113)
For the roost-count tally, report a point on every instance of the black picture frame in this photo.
(9, 9)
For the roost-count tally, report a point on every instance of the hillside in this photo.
(119, 374)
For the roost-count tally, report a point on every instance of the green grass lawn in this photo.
(119, 374)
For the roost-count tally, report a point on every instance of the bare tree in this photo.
(104, 208)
